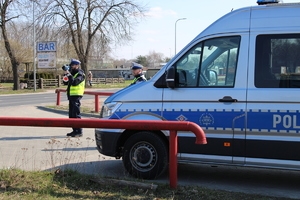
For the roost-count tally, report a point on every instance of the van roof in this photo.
(263, 18)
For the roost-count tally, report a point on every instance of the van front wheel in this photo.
(145, 155)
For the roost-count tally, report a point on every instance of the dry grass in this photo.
(16, 184)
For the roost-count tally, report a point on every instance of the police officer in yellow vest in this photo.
(137, 71)
(75, 92)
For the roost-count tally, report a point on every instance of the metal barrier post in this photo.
(173, 150)
(96, 103)
(57, 97)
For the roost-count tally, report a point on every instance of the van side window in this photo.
(211, 63)
(277, 61)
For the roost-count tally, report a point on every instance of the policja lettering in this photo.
(287, 121)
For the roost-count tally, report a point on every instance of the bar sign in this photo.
(46, 46)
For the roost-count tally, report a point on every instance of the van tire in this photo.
(145, 155)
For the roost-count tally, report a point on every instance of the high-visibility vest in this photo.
(77, 90)
(141, 78)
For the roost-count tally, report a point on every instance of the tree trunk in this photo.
(84, 63)
(15, 66)
(9, 50)
(14, 63)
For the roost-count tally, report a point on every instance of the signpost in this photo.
(46, 60)
(46, 54)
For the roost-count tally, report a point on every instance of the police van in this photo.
(239, 80)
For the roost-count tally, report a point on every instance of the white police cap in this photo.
(74, 62)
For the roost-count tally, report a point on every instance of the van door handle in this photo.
(228, 99)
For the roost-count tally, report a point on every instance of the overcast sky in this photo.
(157, 31)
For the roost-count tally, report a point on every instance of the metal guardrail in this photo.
(97, 94)
(172, 126)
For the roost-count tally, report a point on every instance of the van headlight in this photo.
(108, 109)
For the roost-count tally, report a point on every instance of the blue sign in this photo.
(46, 46)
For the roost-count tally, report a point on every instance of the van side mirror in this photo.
(170, 78)
(213, 77)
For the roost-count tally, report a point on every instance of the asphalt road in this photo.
(39, 98)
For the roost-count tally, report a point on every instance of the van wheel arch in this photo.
(145, 154)
(127, 133)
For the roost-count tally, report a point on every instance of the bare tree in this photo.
(122, 63)
(6, 18)
(86, 21)
(154, 59)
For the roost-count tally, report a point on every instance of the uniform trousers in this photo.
(74, 110)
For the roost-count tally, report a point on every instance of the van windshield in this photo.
(209, 63)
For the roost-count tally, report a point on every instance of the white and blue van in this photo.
(239, 80)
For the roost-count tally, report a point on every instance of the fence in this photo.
(50, 83)
(107, 80)
(44, 83)
(40, 83)
(6, 80)
(172, 126)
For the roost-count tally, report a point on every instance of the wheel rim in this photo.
(143, 156)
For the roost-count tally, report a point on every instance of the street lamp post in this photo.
(34, 47)
(175, 31)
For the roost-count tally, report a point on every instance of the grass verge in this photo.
(17, 184)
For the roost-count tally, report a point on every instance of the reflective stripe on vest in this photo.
(134, 80)
(77, 90)
(137, 78)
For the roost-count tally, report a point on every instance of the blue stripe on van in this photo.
(258, 120)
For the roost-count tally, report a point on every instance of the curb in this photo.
(65, 112)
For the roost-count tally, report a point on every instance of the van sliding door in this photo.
(273, 125)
